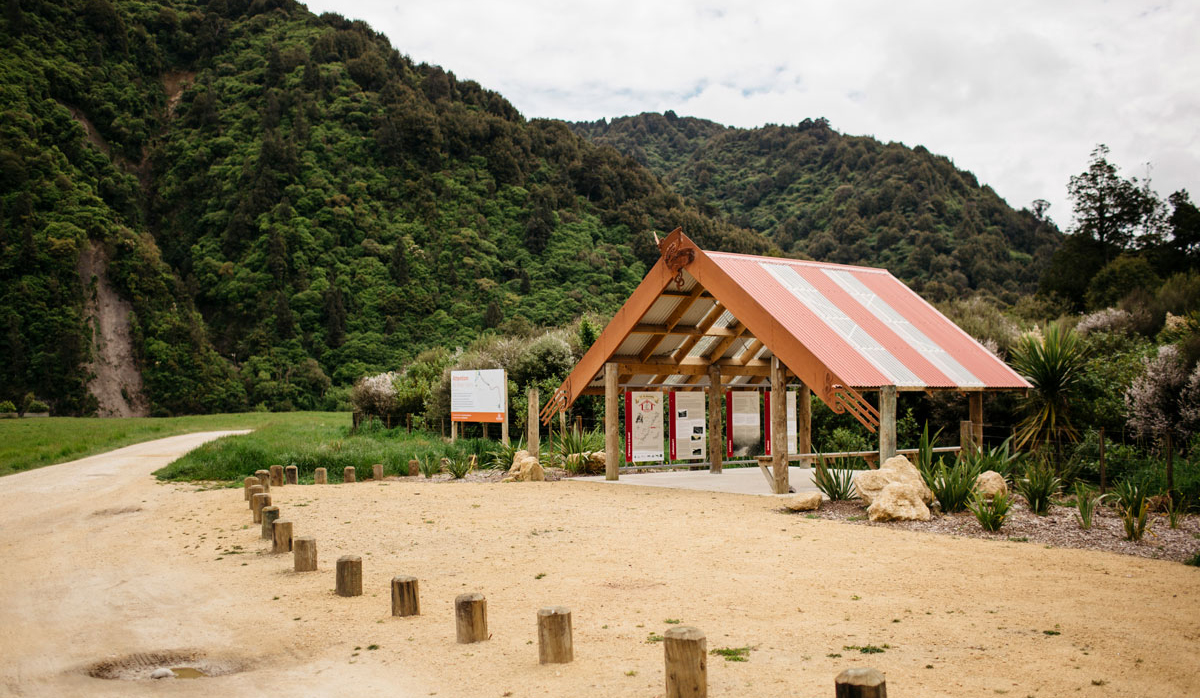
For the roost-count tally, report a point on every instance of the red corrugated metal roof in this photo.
(866, 326)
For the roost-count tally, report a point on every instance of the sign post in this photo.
(479, 396)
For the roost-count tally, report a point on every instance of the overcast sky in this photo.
(1018, 92)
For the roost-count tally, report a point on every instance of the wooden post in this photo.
(282, 540)
(1102, 479)
(975, 411)
(349, 575)
(578, 424)
(612, 429)
(504, 424)
(804, 422)
(716, 436)
(532, 437)
(276, 476)
(408, 422)
(320, 477)
(305, 554)
(269, 515)
(887, 422)
(779, 454)
(260, 500)
(348, 474)
(291, 475)
(406, 597)
(470, 618)
(254, 489)
(483, 427)
(377, 472)
(264, 479)
(860, 682)
(453, 431)
(414, 467)
(562, 424)
(247, 484)
(686, 652)
(966, 438)
(554, 635)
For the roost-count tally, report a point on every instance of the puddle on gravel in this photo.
(187, 672)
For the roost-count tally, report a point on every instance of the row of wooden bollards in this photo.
(685, 649)
(277, 476)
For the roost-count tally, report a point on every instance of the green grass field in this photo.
(32, 443)
(318, 443)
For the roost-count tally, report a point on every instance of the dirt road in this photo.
(100, 561)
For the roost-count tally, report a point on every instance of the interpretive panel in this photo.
(644, 427)
(743, 435)
(689, 428)
(478, 396)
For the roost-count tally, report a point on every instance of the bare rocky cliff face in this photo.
(116, 382)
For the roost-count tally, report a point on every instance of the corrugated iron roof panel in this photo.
(866, 326)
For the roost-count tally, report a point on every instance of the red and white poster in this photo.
(742, 432)
(689, 431)
(644, 427)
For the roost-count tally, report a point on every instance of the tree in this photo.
(1155, 401)
(1111, 210)
(1053, 364)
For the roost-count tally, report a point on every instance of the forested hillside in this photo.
(287, 203)
(849, 199)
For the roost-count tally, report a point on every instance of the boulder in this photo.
(516, 464)
(596, 462)
(990, 483)
(898, 501)
(870, 483)
(805, 501)
(526, 469)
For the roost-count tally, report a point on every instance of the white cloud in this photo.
(1017, 92)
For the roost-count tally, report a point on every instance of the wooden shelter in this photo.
(704, 320)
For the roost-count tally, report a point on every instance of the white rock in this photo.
(990, 483)
(899, 501)
(870, 483)
(162, 673)
(805, 501)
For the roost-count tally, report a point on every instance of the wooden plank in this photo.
(690, 330)
(689, 369)
(673, 319)
(714, 314)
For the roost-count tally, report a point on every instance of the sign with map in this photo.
(643, 427)
(478, 396)
(689, 433)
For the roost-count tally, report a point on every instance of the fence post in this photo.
(685, 650)
(1102, 482)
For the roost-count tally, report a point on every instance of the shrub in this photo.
(991, 513)
(6, 407)
(1194, 560)
(1134, 520)
(1001, 459)
(375, 394)
(1085, 502)
(36, 406)
(572, 446)
(430, 465)
(1039, 484)
(459, 467)
(1175, 509)
(1131, 493)
(835, 484)
(953, 486)
(501, 457)
(925, 453)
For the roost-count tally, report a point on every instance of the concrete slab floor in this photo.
(731, 480)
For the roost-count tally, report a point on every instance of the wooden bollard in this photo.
(291, 475)
(264, 479)
(686, 652)
(349, 575)
(254, 489)
(276, 476)
(406, 597)
(377, 472)
(414, 467)
(247, 484)
(260, 500)
(269, 515)
(470, 618)
(305, 550)
(554, 635)
(348, 474)
(283, 537)
(319, 476)
(860, 682)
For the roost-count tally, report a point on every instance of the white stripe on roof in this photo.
(867, 346)
(899, 324)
